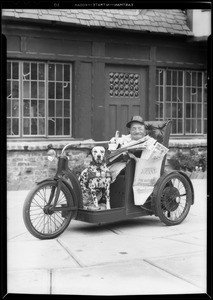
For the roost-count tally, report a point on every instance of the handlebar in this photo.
(89, 144)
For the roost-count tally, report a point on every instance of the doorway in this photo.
(125, 96)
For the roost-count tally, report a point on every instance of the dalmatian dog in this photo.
(95, 180)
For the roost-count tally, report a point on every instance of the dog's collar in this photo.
(93, 163)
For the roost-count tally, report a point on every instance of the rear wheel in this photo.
(39, 217)
(173, 199)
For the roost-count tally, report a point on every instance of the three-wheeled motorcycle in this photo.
(54, 202)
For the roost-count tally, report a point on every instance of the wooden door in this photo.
(125, 95)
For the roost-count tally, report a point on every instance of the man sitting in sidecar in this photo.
(148, 162)
(137, 131)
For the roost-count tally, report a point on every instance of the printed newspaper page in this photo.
(147, 171)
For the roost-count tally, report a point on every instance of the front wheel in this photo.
(173, 199)
(43, 221)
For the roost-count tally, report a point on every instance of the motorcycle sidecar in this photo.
(171, 198)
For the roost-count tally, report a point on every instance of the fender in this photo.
(78, 200)
(190, 183)
(74, 185)
(162, 178)
(46, 179)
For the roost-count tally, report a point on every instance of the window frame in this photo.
(11, 99)
(46, 100)
(164, 101)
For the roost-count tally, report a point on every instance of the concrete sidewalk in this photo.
(135, 257)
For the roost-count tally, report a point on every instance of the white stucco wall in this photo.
(201, 25)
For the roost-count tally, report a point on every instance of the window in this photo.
(181, 96)
(38, 99)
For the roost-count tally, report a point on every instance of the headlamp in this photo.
(51, 154)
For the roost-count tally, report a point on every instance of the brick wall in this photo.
(24, 168)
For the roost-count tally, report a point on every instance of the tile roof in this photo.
(171, 21)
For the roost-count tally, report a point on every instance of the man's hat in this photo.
(137, 119)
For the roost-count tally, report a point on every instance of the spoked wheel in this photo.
(40, 218)
(173, 199)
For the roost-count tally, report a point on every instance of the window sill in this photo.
(187, 143)
(42, 145)
(36, 145)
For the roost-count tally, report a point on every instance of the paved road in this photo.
(135, 257)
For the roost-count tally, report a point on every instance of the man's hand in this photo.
(113, 140)
(133, 156)
(125, 156)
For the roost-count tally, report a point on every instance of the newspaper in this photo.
(147, 170)
(134, 144)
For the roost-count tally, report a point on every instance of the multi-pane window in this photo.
(181, 96)
(33, 95)
(59, 93)
(38, 99)
(13, 99)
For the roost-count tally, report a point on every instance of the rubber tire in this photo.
(27, 205)
(157, 203)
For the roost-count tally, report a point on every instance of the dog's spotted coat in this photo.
(96, 178)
